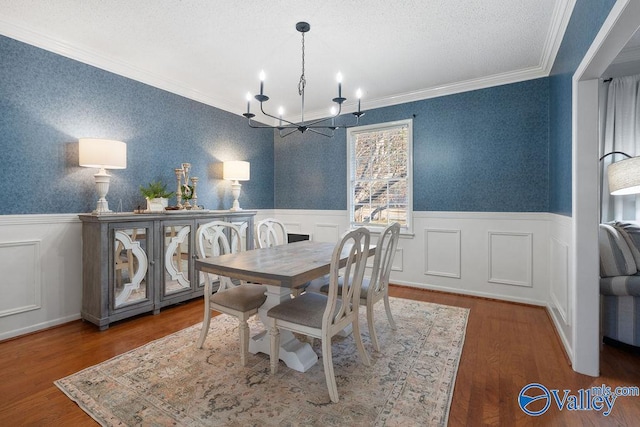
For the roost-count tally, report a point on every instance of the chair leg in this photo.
(275, 347)
(205, 326)
(387, 307)
(327, 360)
(356, 334)
(244, 341)
(372, 329)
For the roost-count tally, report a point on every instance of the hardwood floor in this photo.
(507, 346)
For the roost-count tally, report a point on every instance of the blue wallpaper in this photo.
(506, 148)
(586, 20)
(485, 150)
(48, 101)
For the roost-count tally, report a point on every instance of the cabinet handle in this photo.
(152, 262)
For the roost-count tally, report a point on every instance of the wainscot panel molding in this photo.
(510, 258)
(46, 261)
(21, 288)
(442, 252)
(559, 283)
(473, 250)
(560, 305)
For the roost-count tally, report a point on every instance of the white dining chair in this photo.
(241, 301)
(376, 287)
(272, 232)
(323, 316)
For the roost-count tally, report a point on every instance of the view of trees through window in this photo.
(380, 175)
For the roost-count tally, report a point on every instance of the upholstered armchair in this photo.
(619, 244)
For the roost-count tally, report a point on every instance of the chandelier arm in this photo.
(325, 119)
(322, 133)
(261, 126)
(251, 125)
(293, 130)
(276, 118)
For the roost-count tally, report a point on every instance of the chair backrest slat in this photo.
(356, 243)
(218, 238)
(270, 232)
(383, 260)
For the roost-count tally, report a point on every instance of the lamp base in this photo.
(102, 184)
(102, 207)
(235, 191)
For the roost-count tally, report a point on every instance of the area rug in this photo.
(171, 382)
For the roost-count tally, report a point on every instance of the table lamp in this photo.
(235, 171)
(102, 154)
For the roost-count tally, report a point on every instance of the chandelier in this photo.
(325, 126)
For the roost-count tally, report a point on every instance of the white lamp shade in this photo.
(624, 177)
(236, 170)
(102, 153)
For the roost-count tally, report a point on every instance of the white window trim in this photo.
(351, 133)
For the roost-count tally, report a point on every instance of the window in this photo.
(380, 174)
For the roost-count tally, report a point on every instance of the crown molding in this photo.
(559, 21)
(109, 64)
(443, 90)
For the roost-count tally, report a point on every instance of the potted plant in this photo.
(157, 196)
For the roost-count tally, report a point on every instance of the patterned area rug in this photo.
(170, 382)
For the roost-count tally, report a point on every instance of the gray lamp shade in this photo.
(624, 177)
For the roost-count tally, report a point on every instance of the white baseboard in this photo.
(39, 326)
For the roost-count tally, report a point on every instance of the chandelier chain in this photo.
(303, 80)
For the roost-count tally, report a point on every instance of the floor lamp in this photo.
(623, 176)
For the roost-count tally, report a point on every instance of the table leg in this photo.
(294, 353)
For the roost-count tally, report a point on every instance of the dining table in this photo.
(280, 269)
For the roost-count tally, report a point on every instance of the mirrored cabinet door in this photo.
(130, 266)
(177, 255)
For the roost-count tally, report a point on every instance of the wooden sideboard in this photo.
(138, 263)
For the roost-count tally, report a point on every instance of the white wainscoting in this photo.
(40, 260)
(510, 258)
(454, 251)
(561, 302)
(442, 252)
(450, 251)
(21, 288)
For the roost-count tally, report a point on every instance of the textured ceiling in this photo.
(213, 51)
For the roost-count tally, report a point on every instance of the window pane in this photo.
(379, 186)
(363, 213)
(362, 192)
(398, 192)
(363, 169)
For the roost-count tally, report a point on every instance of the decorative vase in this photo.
(157, 205)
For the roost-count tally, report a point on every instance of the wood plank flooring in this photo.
(507, 346)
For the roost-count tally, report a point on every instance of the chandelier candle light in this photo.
(325, 126)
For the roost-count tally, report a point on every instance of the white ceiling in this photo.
(212, 51)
